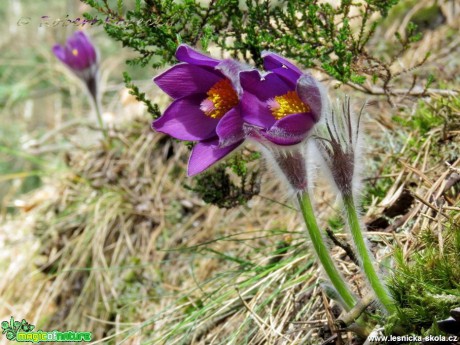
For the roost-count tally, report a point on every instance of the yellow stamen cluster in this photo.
(75, 52)
(223, 97)
(287, 104)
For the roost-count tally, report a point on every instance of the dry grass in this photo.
(120, 248)
(106, 229)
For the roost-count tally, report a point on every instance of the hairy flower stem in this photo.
(322, 251)
(97, 108)
(365, 257)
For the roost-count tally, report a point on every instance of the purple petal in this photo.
(184, 80)
(282, 138)
(187, 54)
(230, 128)
(59, 52)
(184, 120)
(273, 60)
(311, 92)
(86, 54)
(78, 62)
(290, 130)
(88, 47)
(267, 138)
(264, 87)
(255, 111)
(231, 69)
(297, 125)
(64, 54)
(206, 153)
(275, 63)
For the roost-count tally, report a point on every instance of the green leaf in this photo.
(5, 325)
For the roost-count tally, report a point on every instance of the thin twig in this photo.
(344, 245)
(426, 203)
(416, 91)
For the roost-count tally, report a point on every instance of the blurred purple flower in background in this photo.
(205, 107)
(80, 56)
(78, 53)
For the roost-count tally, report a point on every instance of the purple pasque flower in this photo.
(80, 56)
(282, 105)
(205, 109)
(78, 53)
(280, 108)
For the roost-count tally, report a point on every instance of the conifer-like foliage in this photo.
(217, 188)
(313, 33)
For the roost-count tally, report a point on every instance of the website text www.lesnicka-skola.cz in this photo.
(409, 338)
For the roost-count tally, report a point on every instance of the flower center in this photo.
(75, 52)
(221, 98)
(287, 104)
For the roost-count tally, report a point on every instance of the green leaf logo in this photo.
(11, 328)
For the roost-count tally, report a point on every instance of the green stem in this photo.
(365, 257)
(323, 252)
(97, 108)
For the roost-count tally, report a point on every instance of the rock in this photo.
(455, 313)
(450, 326)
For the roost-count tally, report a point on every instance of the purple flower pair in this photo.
(221, 103)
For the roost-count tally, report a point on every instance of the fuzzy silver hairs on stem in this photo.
(337, 142)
